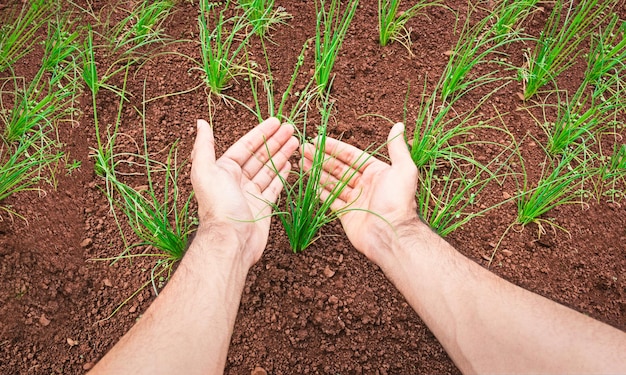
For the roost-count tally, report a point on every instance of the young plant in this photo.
(262, 15)
(21, 166)
(51, 95)
(392, 25)
(557, 46)
(221, 47)
(159, 217)
(18, 33)
(613, 173)
(306, 212)
(607, 60)
(142, 26)
(507, 15)
(304, 97)
(331, 27)
(476, 46)
(579, 119)
(449, 200)
(563, 184)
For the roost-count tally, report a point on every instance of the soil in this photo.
(328, 309)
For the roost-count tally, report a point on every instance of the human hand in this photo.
(234, 191)
(380, 198)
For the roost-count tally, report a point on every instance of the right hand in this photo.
(380, 198)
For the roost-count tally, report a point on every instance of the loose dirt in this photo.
(327, 310)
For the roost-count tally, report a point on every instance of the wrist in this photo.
(216, 244)
(396, 244)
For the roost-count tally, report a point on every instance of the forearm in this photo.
(188, 327)
(487, 324)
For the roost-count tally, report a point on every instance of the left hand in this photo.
(235, 192)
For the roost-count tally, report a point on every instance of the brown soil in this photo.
(328, 309)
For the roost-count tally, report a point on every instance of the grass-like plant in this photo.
(158, 217)
(18, 31)
(478, 44)
(578, 120)
(51, 94)
(448, 198)
(21, 164)
(331, 27)
(392, 23)
(222, 42)
(302, 103)
(613, 174)
(507, 16)
(141, 27)
(561, 182)
(263, 16)
(306, 212)
(557, 46)
(607, 60)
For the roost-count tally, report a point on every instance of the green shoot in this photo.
(20, 168)
(18, 35)
(142, 26)
(607, 59)
(51, 94)
(558, 43)
(475, 46)
(508, 15)
(448, 200)
(560, 183)
(330, 30)
(221, 49)
(303, 100)
(262, 15)
(613, 173)
(392, 25)
(306, 212)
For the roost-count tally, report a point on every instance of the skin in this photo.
(485, 323)
(188, 327)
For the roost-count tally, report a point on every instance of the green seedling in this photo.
(263, 16)
(221, 47)
(449, 199)
(607, 60)
(613, 174)
(21, 166)
(561, 182)
(331, 27)
(51, 95)
(143, 26)
(476, 46)
(557, 46)
(392, 24)
(18, 33)
(302, 103)
(306, 212)
(507, 15)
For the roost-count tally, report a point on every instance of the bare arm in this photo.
(187, 329)
(486, 324)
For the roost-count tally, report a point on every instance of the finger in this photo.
(204, 145)
(398, 150)
(241, 151)
(337, 204)
(273, 190)
(347, 154)
(330, 183)
(266, 174)
(270, 148)
(334, 166)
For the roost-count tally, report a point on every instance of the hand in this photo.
(234, 193)
(379, 198)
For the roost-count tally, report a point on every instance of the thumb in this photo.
(398, 151)
(204, 146)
